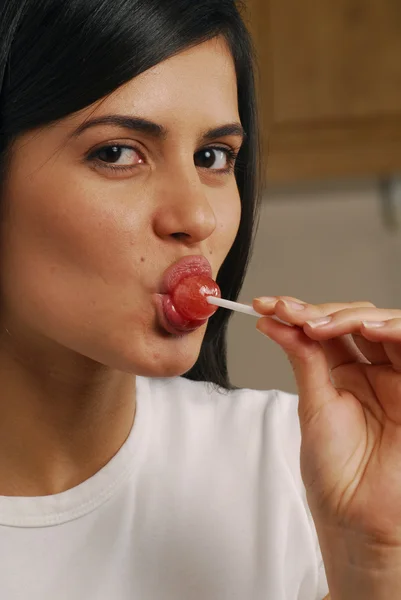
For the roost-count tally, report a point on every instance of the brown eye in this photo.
(117, 157)
(114, 154)
(216, 159)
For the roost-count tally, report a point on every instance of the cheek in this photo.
(75, 229)
(63, 215)
(69, 257)
(228, 219)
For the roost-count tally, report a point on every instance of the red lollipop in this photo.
(189, 297)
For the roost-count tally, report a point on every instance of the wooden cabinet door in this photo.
(330, 86)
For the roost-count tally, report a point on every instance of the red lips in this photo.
(171, 319)
(185, 267)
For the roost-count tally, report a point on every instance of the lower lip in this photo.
(171, 321)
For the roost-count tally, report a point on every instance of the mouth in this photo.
(185, 267)
(169, 317)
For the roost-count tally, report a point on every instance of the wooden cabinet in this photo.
(330, 87)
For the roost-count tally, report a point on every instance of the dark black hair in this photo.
(59, 56)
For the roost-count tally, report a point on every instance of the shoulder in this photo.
(244, 441)
(267, 419)
(203, 393)
(206, 392)
(258, 429)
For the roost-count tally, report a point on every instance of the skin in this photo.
(347, 364)
(83, 251)
(82, 256)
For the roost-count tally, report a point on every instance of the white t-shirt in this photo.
(204, 501)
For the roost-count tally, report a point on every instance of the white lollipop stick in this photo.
(243, 308)
(238, 307)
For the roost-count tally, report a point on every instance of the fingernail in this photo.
(294, 305)
(319, 322)
(266, 299)
(373, 323)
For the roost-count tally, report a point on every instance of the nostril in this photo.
(180, 235)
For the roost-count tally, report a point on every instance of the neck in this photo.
(60, 421)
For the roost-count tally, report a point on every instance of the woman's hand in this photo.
(347, 364)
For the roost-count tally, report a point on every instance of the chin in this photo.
(162, 356)
(167, 370)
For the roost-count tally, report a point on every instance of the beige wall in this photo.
(326, 244)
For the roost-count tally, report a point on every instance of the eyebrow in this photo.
(154, 130)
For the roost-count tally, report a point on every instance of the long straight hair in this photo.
(60, 56)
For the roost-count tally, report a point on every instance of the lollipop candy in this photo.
(197, 297)
(190, 297)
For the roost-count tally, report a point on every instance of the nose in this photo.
(184, 210)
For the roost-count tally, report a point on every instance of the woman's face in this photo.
(95, 218)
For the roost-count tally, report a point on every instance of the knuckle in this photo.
(395, 322)
(290, 299)
(364, 304)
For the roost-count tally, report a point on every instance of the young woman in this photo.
(129, 467)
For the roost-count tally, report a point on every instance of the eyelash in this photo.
(231, 154)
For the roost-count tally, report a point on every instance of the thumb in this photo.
(309, 363)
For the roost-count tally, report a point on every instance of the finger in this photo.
(342, 350)
(301, 313)
(309, 364)
(265, 301)
(265, 305)
(388, 333)
(323, 307)
(373, 351)
(347, 321)
(300, 310)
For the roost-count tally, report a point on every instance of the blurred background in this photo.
(329, 86)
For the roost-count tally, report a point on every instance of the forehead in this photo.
(198, 84)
